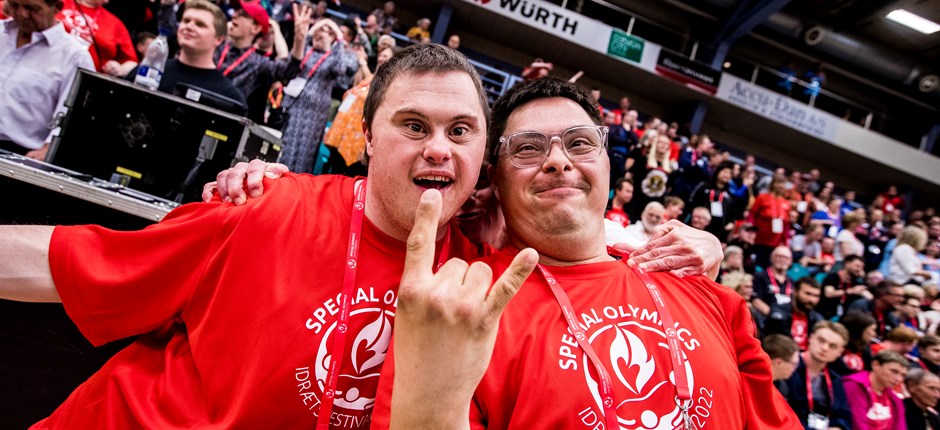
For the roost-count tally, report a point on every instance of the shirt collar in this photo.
(51, 35)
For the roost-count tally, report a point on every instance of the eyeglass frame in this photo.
(602, 129)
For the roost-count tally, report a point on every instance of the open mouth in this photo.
(433, 181)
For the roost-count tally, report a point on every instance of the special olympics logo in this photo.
(646, 398)
(358, 206)
(351, 263)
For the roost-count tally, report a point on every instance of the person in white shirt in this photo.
(638, 233)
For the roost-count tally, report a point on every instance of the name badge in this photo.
(295, 87)
(782, 299)
(817, 422)
(776, 225)
(801, 207)
(717, 210)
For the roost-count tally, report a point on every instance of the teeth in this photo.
(432, 178)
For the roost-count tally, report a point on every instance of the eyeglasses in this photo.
(531, 148)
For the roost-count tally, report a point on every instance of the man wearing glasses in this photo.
(816, 393)
(587, 340)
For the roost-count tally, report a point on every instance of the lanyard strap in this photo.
(773, 280)
(237, 61)
(338, 346)
(711, 196)
(315, 65)
(683, 392)
(809, 389)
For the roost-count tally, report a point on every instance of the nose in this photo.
(556, 160)
(437, 148)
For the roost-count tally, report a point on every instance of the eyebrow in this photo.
(411, 111)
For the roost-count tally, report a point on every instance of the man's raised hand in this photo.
(445, 326)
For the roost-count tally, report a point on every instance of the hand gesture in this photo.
(445, 326)
(680, 249)
(231, 183)
(303, 18)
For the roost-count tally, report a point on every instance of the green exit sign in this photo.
(625, 46)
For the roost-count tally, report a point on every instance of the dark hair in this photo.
(727, 164)
(620, 181)
(808, 281)
(779, 346)
(417, 59)
(526, 92)
(851, 258)
(144, 35)
(856, 322)
(883, 288)
(927, 341)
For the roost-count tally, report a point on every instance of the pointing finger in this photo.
(419, 258)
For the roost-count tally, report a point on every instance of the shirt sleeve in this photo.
(858, 404)
(764, 406)
(125, 47)
(116, 284)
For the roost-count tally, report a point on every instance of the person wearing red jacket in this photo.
(769, 213)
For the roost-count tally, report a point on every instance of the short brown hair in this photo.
(219, 21)
(927, 341)
(837, 328)
(902, 334)
(779, 346)
(885, 356)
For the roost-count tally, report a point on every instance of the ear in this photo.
(368, 135)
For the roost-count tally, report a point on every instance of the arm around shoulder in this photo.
(25, 275)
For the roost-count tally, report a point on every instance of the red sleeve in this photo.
(125, 47)
(764, 407)
(117, 284)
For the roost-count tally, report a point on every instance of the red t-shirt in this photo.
(237, 307)
(539, 378)
(105, 33)
(618, 215)
(766, 208)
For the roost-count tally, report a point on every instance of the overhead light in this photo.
(911, 20)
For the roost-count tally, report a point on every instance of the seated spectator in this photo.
(910, 314)
(894, 232)
(743, 237)
(142, 42)
(673, 208)
(870, 395)
(743, 284)
(700, 218)
(733, 261)
(29, 42)
(106, 37)
(773, 285)
(794, 319)
(844, 287)
(619, 205)
(693, 166)
(816, 393)
(920, 408)
(891, 200)
(784, 359)
(812, 250)
(905, 266)
(857, 355)
(830, 218)
(882, 307)
(385, 17)
(420, 33)
(453, 42)
(846, 242)
(716, 198)
(928, 354)
(201, 31)
(900, 340)
(638, 233)
(828, 251)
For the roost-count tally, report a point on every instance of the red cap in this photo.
(258, 14)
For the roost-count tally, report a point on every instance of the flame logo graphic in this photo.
(373, 339)
(630, 358)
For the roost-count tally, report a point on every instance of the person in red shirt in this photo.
(105, 35)
(769, 213)
(587, 340)
(623, 193)
(891, 200)
(229, 339)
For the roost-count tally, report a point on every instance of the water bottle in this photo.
(150, 69)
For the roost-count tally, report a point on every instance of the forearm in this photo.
(297, 51)
(417, 405)
(24, 264)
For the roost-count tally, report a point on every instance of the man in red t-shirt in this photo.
(107, 38)
(242, 311)
(770, 213)
(587, 340)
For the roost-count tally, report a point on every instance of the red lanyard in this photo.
(773, 280)
(238, 60)
(315, 65)
(683, 393)
(338, 346)
(711, 196)
(809, 389)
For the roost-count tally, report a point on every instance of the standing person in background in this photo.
(29, 42)
(104, 34)
(769, 213)
(871, 397)
(307, 97)
(716, 197)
